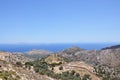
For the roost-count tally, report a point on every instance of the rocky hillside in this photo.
(13, 57)
(56, 67)
(16, 70)
(70, 64)
(77, 54)
(37, 54)
(107, 58)
(79, 67)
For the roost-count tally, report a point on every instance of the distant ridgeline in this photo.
(111, 47)
(50, 47)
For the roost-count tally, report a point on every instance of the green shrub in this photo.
(86, 77)
(60, 68)
(19, 64)
(77, 75)
(72, 72)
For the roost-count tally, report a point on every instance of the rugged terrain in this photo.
(70, 64)
(107, 59)
(12, 67)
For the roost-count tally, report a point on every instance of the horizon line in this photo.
(69, 43)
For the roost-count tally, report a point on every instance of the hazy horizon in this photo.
(53, 47)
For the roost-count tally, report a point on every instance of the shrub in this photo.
(77, 75)
(60, 68)
(86, 77)
(72, 72)
(19, 64)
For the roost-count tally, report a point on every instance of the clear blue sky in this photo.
(59, 21)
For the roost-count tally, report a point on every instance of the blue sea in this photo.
(51, 47)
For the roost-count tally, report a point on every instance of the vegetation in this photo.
(19, 64)
(86, 77)
(54, 64)
(100, 71)
(60, 68)
(70, 76)
(8, 75)
(42, 67)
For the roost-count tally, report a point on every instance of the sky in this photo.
(59, 21)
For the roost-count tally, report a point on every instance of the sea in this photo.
(52, 47)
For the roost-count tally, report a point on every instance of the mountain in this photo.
(109, 57)
(106, 59)
(78, 54)
(112, 47)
